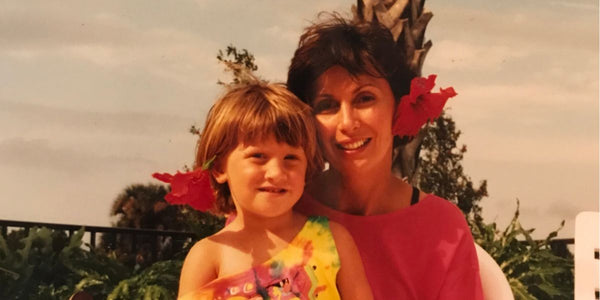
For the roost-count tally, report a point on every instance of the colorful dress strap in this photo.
(305, 269)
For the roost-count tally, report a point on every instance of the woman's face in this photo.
(354, 119)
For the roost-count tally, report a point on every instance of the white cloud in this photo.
(533, 149)
(525, 103)
(289, 35)
(456, 55)
(108, 40)
(123, 123)
(40, 154)
(102, 56)
(586, 5)
(535, 27)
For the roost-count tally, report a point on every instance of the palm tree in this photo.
(144, 206)
(407, 21)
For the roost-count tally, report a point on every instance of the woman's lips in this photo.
(353, 145)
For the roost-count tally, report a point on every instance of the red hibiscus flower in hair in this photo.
(191, 188)
(419, 106)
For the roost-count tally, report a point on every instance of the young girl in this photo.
(259, 140)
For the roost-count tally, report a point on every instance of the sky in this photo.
(95, 96)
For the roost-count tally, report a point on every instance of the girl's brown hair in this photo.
(249, 113)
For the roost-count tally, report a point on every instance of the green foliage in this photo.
(239, 63)
(440, 168)
(531, 267)
(46, 264)
(158, 281)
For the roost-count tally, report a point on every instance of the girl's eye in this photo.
(257, 155)
(325, 106)
(291, 157)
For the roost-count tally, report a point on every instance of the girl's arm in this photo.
(199, 268)
(351, 280)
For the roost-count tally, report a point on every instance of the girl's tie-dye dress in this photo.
(305, 269)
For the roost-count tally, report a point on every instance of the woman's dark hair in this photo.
(360, 48)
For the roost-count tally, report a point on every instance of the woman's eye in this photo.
(364, 98)
(325, 106)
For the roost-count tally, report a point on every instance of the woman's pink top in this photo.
(424, 251)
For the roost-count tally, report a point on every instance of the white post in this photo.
(587, 277)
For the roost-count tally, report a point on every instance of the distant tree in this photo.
(440, 170)
(239, 63)
(144, 206)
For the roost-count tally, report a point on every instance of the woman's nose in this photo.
(348, 119)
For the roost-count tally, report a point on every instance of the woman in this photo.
(413, 245)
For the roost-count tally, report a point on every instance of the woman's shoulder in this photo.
(441, 209)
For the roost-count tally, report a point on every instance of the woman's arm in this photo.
(199, 268)
(351, 280)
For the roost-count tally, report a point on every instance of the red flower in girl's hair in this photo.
(419, 106)
(191, 188)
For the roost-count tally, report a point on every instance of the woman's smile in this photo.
(353, 145)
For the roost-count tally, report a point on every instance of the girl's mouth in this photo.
(272, 190)
(355, 145)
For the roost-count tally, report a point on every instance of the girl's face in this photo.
(265, 178)
(354, 119)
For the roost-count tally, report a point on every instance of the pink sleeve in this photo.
(462, 279)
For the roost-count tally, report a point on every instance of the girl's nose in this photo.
(275, 170)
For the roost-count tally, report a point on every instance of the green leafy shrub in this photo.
(532, 269)
(46, 264)
(158, 281)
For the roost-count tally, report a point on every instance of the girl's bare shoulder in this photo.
(201, 266)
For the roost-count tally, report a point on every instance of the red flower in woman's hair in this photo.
(419, 106)
(191, 188)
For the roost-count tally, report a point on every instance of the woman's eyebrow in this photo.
(320, 96)
(361, 86)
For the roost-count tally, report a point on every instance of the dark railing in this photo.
(94, 230)
(178, 235)
(559, 247)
